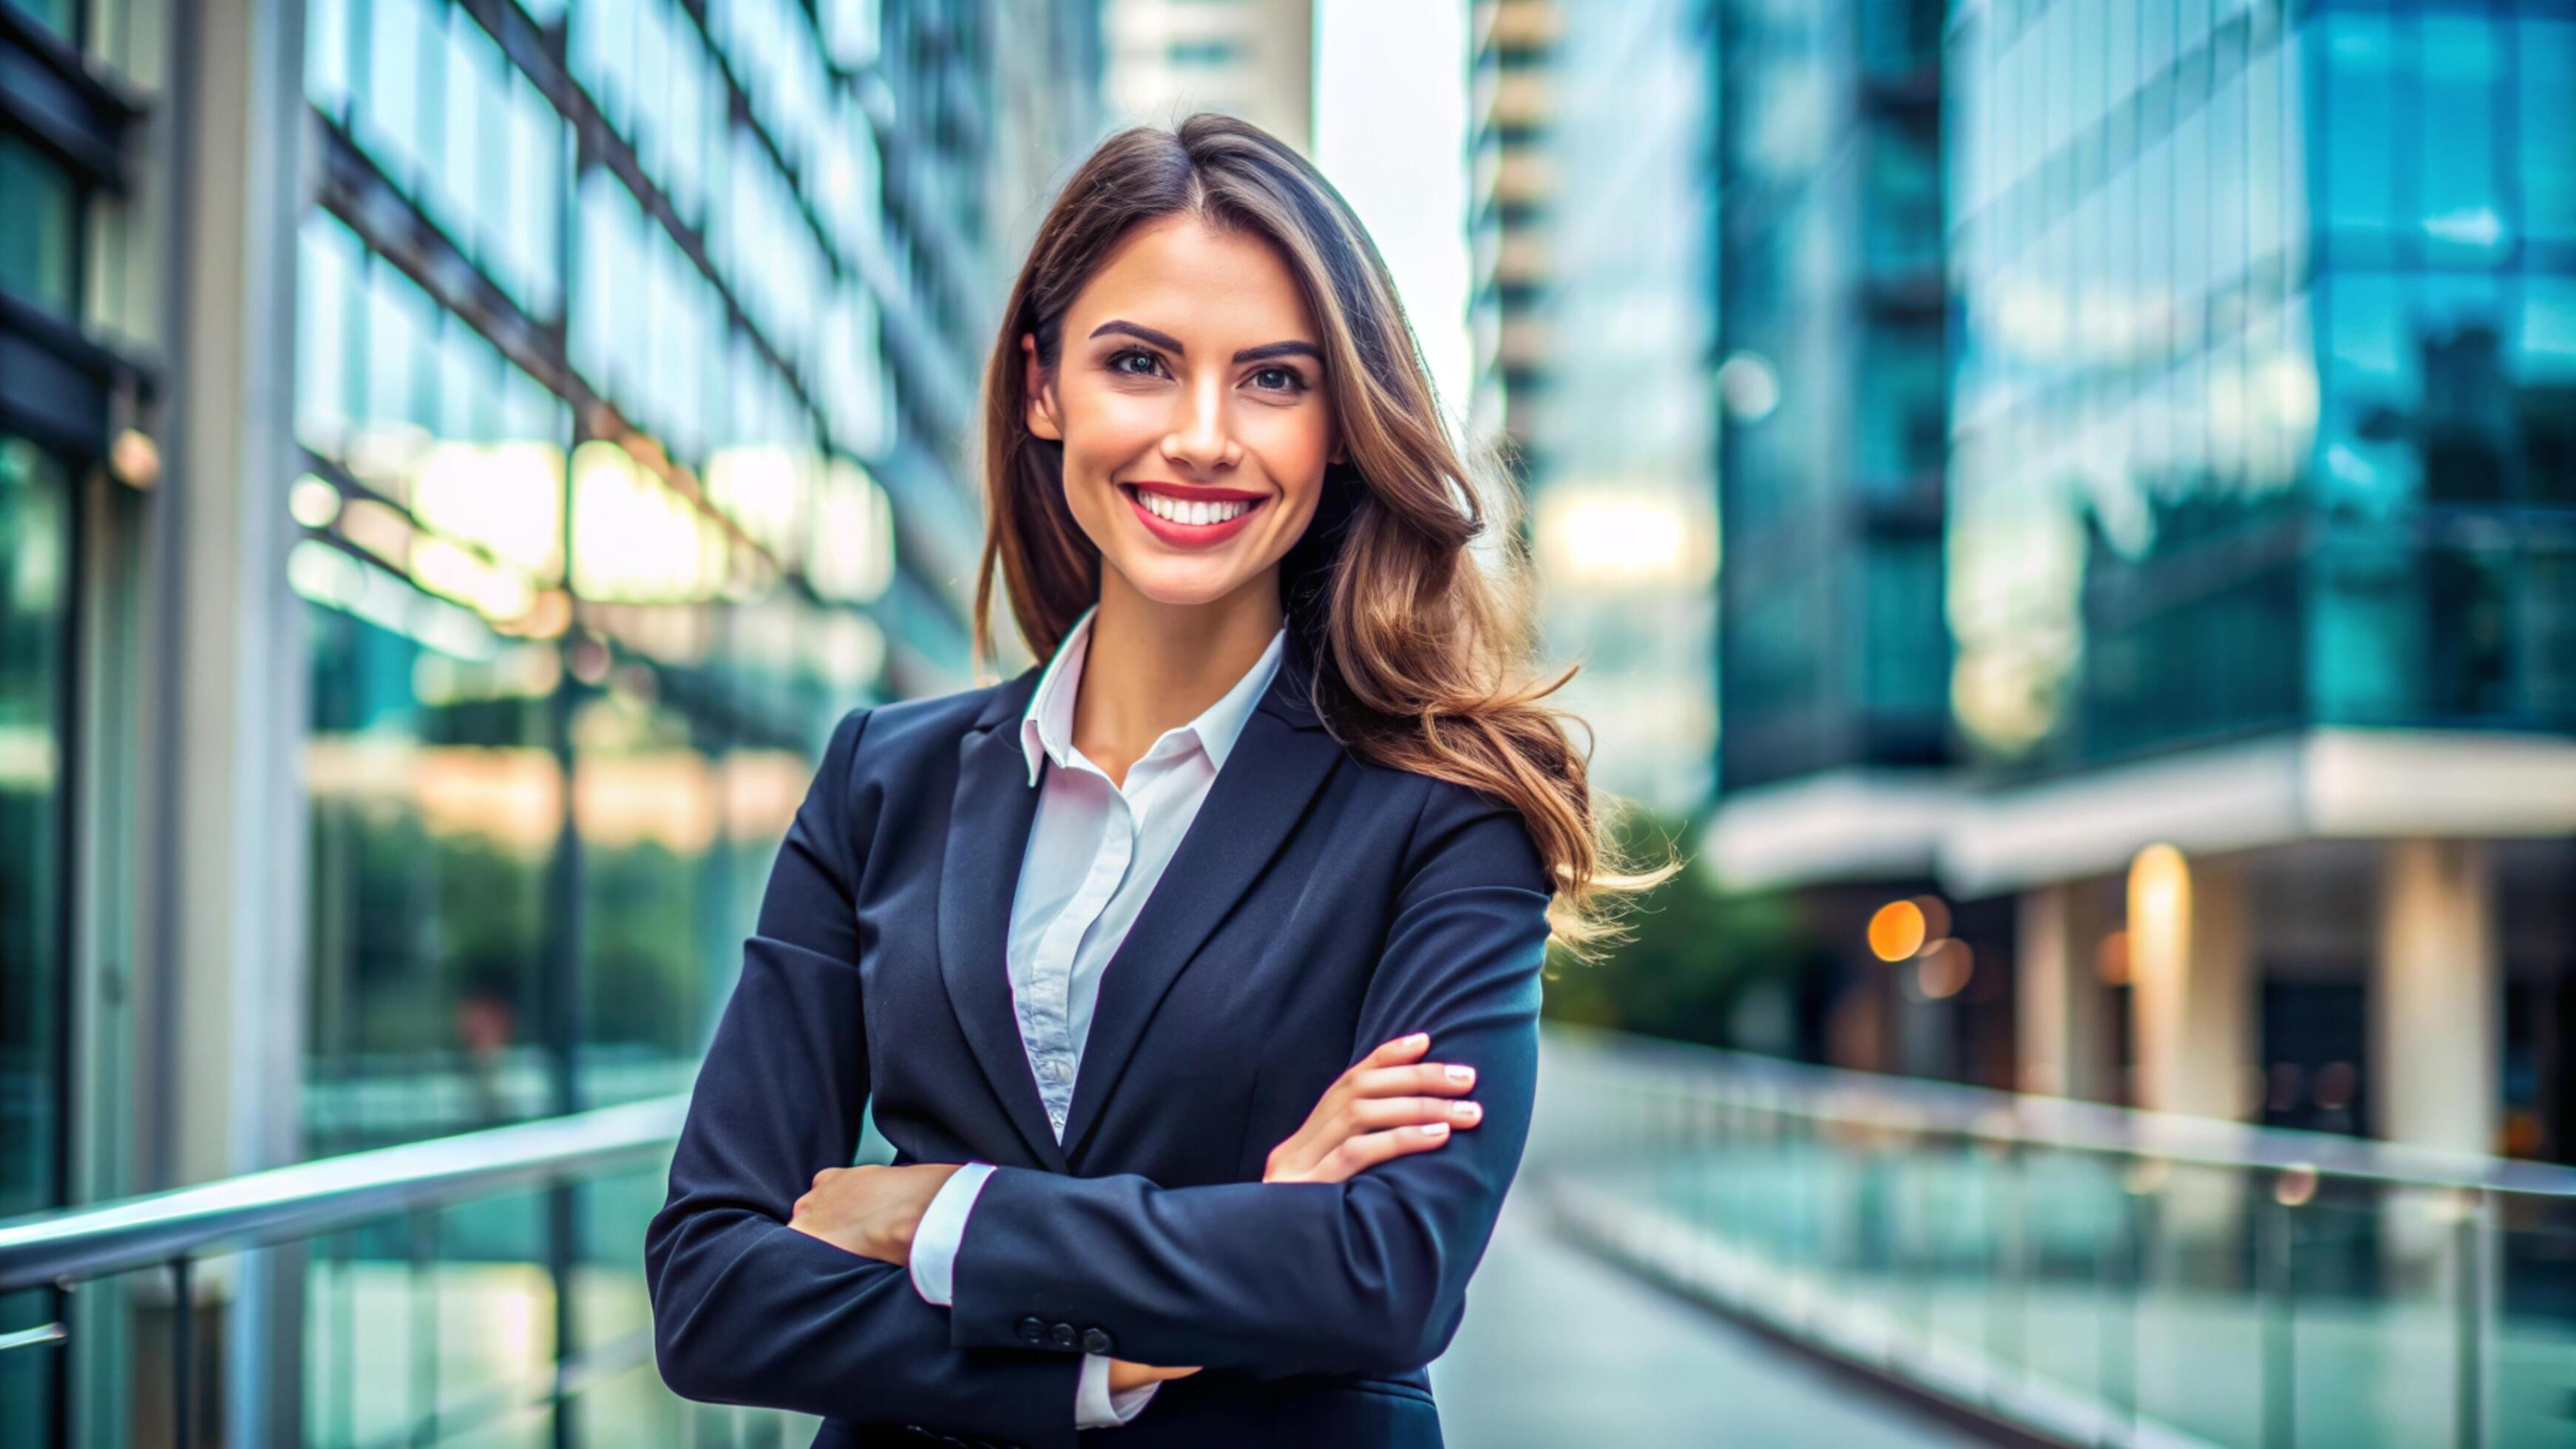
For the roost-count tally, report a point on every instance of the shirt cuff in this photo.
(941, 1229)
(1096, 1406)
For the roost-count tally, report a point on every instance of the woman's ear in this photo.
(1042, 420)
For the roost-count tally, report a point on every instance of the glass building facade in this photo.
(63, 134)
(1833, 385)
(35, 565)
(2267, 364)
(35, 568)
(590, 393)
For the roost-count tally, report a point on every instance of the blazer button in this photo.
(1095, 1341)
(1033, 1330)
(1062, 1333)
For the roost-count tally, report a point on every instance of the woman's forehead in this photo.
(1195, 283)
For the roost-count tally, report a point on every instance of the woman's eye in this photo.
(1289, 381)
(1118, 362)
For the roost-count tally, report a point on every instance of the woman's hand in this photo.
(870, 1211)
(874, 1212)
(1387, 1105)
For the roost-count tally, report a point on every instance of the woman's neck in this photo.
(1153, 666)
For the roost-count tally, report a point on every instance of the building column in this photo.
(222, 995)
(2437, 997)
(2062, 1011)
(2436, 1076)
(2192, 978)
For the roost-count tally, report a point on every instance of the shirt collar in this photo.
(1046, 727)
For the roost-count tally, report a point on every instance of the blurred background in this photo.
(2068, 509)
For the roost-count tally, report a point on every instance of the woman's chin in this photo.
(1183, 583)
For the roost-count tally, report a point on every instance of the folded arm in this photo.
(748, 1310)
(1365, 1275)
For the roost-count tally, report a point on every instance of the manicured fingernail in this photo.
(1470, 1111)
(1419, 1038)
(1461, 1074)
(1435, 1129)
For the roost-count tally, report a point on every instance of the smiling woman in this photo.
(1167, 966)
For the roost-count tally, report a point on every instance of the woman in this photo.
(1102, 942)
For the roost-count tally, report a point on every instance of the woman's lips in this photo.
(1190, 535)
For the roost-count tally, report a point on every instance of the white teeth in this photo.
(1195, 513)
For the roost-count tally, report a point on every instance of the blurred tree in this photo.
(1703, 964)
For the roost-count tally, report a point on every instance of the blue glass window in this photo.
(2460, 209)
(2546, 106)
(39, 226)
(2355, 131)
(35, 626)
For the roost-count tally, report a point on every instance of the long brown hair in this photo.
(1416, 655)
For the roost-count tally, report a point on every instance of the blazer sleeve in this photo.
(1268, 1279)
(747, 1310)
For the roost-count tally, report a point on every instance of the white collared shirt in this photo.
(1095, 851)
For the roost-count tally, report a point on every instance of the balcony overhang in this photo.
(1843, 825)
(2318, 784)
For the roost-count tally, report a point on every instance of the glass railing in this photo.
(2091, 1274)
(483, 1288)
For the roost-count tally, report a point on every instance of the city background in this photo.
(2067, 509)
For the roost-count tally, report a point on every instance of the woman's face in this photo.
(1189, 397)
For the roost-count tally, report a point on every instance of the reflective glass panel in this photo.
(35, 590)
(39, 225)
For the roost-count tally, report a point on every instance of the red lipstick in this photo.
(1192, 535)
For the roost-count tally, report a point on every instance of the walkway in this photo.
(1560, 1350)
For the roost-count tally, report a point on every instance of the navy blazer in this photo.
(1318, 906)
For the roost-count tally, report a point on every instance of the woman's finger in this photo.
(1378, 1113)
(1322, 1152)
(1372, 1113)
(1124, 1375)
(1429, 1079)
(1358, 1154)
(1390, 1054)
(1395, 1053)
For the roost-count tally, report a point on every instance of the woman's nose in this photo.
(1200, 435)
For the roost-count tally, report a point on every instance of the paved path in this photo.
(1560, 1349)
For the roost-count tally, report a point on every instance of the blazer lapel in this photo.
(1277, 764)
(988, 832)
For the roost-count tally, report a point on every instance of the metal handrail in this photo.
(311, 1198)
(1840, 1096)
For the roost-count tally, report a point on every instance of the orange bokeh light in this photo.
(1897, 931)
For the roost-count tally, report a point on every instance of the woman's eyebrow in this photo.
(1169, 343)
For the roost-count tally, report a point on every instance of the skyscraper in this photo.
(1511, 188)
(2264, 465)
(1607, 259)
(2241, 730)
(1247, 58)
(1832, 386)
